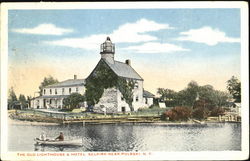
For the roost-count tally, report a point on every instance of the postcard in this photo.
(124, 81)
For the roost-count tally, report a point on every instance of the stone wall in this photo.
(107, 102)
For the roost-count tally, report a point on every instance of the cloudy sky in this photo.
(167, 47)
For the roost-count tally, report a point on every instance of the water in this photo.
(129, 137)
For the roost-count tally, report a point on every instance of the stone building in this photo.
(112, 100)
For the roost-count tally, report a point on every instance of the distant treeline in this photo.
(193, 92)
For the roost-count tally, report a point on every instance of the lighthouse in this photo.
(108, 51)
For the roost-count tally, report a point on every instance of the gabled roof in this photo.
(123, 70)
(68, 83)
(147, 94)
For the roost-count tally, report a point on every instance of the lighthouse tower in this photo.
(108, 51)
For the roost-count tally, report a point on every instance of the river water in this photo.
(130, 137)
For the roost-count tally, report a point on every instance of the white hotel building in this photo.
(53, 95)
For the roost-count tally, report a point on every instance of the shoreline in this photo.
(102, 122)
(33, 123)
(33, 118)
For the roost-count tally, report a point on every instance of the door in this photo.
(44, 103)
(123, 109)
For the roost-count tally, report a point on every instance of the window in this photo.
(50, 91)
(69, 90)
(50, 101)
(76, 89)
(122, 98)
(146, 101)
(63, 91)
(55, 91)
(137, 99)
(44, 91)
(136, 84)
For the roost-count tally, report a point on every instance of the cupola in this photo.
(108, 50)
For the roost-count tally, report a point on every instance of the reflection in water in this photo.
(128, 137)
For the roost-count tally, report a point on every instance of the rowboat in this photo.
(59, 143)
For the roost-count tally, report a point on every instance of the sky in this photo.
(167, 47)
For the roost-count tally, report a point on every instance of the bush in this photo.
(177, 114)
(217, 111)
(73, 100)
(200, 113)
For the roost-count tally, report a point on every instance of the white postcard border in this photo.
(221, 155)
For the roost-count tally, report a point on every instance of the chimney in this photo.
(128, 62)
(75, 76)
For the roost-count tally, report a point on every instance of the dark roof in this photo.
(124, 70)
(148, 94)
(68, 83)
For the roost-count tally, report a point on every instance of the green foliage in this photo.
(126, 88)
(187, 96)
(73, 100)
(203, 99)
(23, 101)
(221, 98)
(215, 97)
(154, 111)
(12, 95)
(204, 103)
(193, 92)
(168, 96)
(178, 113)
(47, 81)
(234, 88)
(12, 98)
(29, 100)
(103, 78)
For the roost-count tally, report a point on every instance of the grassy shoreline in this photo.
(32, 117)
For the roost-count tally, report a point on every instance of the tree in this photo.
(11, 98)
(47, 81)
(168, 96)
(207, 97)
(73, 100)
(234, 88)
(23, 102)
(192, 91)
(187, 96)
(29, 100)
(221, 98)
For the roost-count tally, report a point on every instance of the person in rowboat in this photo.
(60, 137)
(42, 137)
